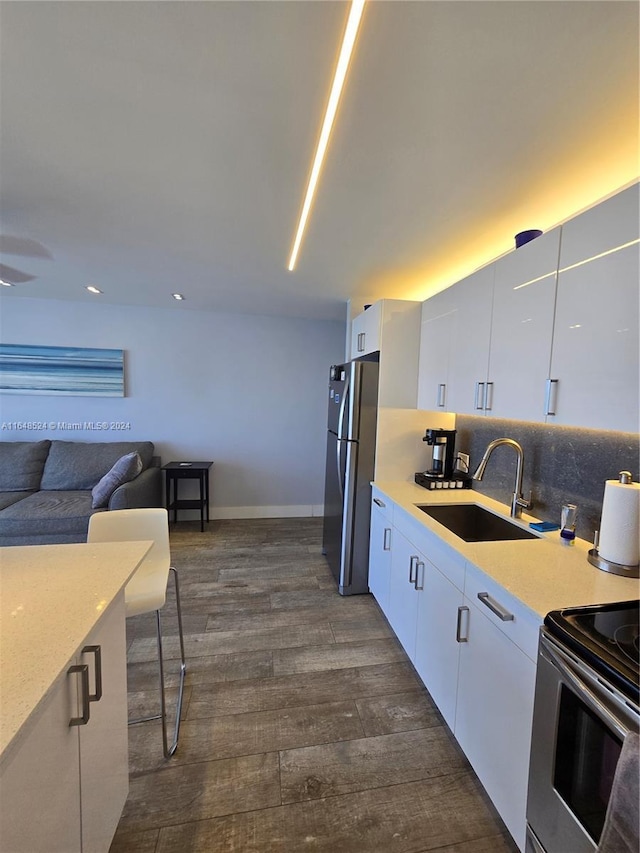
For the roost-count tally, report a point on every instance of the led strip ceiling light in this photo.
(351, 31)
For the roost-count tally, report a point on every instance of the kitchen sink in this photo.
(474, 523)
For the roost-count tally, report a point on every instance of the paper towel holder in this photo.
(607, 565)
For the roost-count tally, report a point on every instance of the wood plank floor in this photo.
(305, 727)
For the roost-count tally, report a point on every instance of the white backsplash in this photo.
(400, 450)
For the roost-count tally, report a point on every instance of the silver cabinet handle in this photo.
(479, 401)
(488, 402)
(459, 638)
(379, 502)
(549, 404)
(494, 607)
(386, 541)
(412, 561)
(360, 346)
(96, 651)
(441, 395)
(83, 670)
(415, 583)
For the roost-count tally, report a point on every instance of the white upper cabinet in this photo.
(549, 332)
(365, 331)
(392, 328)
(469, 354)
(594, 364)
(437, 333)
(521, 330)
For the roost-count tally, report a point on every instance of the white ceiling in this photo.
(154, 147)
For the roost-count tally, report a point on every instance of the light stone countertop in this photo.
(542, 574)
(51, 597)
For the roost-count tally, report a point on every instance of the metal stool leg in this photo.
(169, 749)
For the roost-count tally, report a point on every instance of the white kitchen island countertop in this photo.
(51, 597)
(544, 574)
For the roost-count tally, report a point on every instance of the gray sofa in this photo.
(46, 487)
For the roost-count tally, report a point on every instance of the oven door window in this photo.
(586, 757)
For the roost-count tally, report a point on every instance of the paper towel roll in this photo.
(620, 525)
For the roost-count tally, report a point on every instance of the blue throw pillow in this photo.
(124, 470)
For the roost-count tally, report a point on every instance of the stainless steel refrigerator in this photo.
(351, 450)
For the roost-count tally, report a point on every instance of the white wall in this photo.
(248, 392)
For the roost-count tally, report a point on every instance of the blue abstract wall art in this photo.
(61, 371)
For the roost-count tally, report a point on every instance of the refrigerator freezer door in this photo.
(349, 470)
(344, 401)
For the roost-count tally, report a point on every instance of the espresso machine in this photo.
(441, 474)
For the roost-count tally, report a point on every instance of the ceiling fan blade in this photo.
(24, 246)
(14, 276)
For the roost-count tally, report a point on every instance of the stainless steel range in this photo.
(586, 703)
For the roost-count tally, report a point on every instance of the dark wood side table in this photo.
(176, 471)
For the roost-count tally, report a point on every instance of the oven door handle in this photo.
(567, 666)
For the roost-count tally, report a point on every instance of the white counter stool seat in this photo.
(147, 590)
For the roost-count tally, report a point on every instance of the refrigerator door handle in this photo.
(348, 516)
(339, 469)
(343, 407)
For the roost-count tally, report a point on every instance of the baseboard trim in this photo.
(231, 512)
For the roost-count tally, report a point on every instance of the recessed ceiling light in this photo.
(5, 283)
(178, 296)
(350, 33)
(93, 289)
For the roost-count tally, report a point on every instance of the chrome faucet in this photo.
(518, 502)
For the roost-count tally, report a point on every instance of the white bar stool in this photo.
(147, 589)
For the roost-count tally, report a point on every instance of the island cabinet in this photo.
(63, 786)
(593, 380)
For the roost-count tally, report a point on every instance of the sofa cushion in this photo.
(74, 465)
(48, 512)
(8, 498)
(125, 469)
(21, 464)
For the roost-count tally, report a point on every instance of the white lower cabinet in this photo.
(474, 646)
(402, 612)
(494, 710)
(380, 551)
(63, 787)
(437, 649)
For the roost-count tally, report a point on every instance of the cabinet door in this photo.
(39, 783)
(104, 772)
(403, 598)
(380, 554)
(469, 352)
(494, 714)
(439, 622)
(594, 364)
(365, 331)
(437, 334)
(522, 328)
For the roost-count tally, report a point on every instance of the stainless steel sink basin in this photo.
(474, 523)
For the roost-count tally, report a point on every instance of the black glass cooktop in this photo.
(605, 636)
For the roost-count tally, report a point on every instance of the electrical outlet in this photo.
(462, 462)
